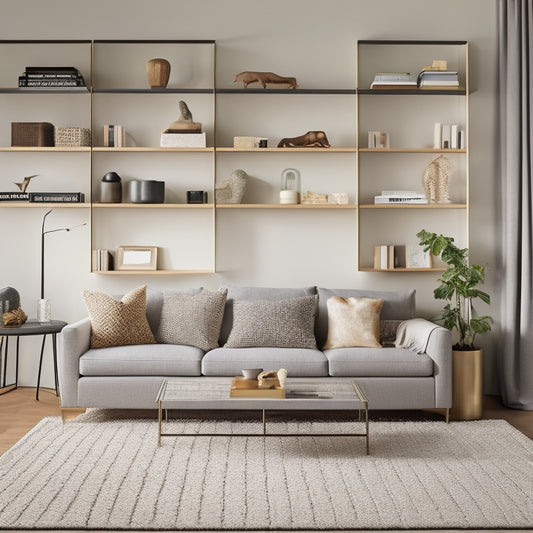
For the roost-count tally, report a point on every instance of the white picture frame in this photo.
(136, 258)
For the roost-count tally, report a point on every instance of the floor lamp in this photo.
(44, 309)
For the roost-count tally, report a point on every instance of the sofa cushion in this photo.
(353, 322)
(118, 323)
(298, 362)
(277, 324)
(192, 319)
(397, 305)
(142, 360)
(378, 362)
(256, 293)
(154, 304)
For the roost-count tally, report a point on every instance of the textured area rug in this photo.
(91, 474)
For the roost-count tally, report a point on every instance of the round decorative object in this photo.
(147, 192)
(9, 299)
(111, 189)
(158, 71)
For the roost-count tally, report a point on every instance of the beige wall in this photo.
(314, 41)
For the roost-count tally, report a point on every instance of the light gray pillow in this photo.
(192, 319)
(275, 324)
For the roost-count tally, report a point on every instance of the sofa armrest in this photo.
(74, 341)
(423, 336)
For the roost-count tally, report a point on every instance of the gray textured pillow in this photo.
(192, 319)
(274, 324)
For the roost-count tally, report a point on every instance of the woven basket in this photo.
(32, 134)
(72, 136)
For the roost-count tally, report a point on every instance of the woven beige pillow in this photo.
(118, 323)
(353, 322)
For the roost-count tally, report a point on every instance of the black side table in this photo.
(31, 327)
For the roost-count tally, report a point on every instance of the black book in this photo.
(57, 197)
(14, 196)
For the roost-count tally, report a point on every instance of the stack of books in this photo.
(448, 136)
(438, 79)
(102, 260)
(401, 197)
(114, 136)
(55, 77)
(393, 80)
(389, 256)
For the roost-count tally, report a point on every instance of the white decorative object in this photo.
(416, 257)
(435, 179)
(184, 140)
(290, 186)
(231, 191)
(317, 198)
(44, 310)
(249, 142)
(340, 198)
(282, 376)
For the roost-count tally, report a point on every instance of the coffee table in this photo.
(300, 395)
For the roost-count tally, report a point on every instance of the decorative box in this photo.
(250, 142)
(32, 134)
(72, 136)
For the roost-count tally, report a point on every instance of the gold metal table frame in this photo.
(301, 395)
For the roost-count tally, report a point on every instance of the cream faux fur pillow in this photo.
(353, 322)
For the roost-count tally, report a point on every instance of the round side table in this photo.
(31, 327)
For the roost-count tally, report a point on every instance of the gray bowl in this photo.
(147, 192)
(251, 373)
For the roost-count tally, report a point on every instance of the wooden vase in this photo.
(158, 71)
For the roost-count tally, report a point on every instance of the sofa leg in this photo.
(447, 415)
(69, 413)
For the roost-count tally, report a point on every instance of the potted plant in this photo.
(459, 288)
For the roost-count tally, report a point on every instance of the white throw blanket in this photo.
(414, 334)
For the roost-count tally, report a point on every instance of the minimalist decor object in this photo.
(353, 322)
(231, 191)
(111, 189)
(44, 311)
(32, 134)
(251, 373)
(23, 185)
(311, 139)
(147, 192)
(118, 323)
(185, 121)
(9, 299)
(268, 380)
(378, 139)
(282, 376)
(14, 319)
(158, 71)
(136, 258)
(335, 198)
(250, 142)
(435, 179)
(290, 186)
(197, 197)
(417, 257)
(264, 78)
(114, 136)
(72, 136)
(192, 319)
(183, 132)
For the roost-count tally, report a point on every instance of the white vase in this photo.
(44, 310)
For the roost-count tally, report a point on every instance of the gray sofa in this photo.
(415, 376)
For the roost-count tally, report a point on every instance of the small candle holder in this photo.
(290, 186)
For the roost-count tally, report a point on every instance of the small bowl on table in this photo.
(251, 373)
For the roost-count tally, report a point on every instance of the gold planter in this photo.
(467, 403)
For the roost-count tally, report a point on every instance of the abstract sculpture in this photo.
(231, 191)
(310, 139)
(185, 123)
(263, 78)
(435, 179)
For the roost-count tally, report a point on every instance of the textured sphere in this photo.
(9, 299)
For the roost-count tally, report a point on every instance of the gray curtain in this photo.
(516, 114)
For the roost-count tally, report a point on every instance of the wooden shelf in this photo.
(286, 206)
(48, 205)
(412, 206)
(417, 92)
(125, 205)
(151, 272)
(256, 90)
(286, 150)
(150, 149)
(415, 150)
(371, 269)
(166, 90)
(45, 149)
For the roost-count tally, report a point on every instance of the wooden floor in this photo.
(19, 412)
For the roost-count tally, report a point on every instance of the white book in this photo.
(453, 135)
(401, 193)
(183, 140)
(437, 135)
(446, 136)
(421, 199)
(462, 140)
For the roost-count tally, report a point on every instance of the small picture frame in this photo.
(136, 258)
(416, 257)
